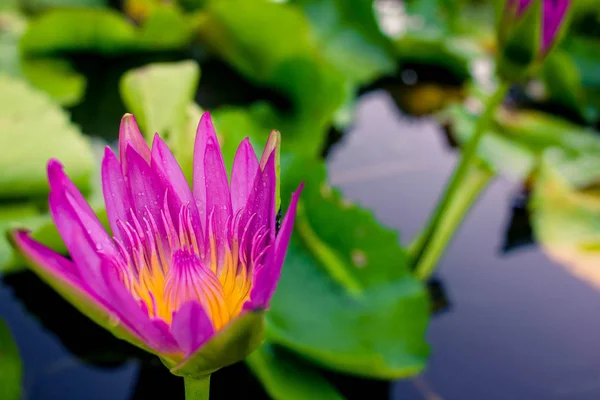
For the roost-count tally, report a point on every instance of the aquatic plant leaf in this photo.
(45, 5)
(563, 81)
(57, 78)
(12, 216)
(577, 75)
(361, 312)
(104, 31)
(566, 212)
(272, 45)
(35, 130)
(452, 54)
(10, 366)
(53, 75)
(12, 26)
(285, 377)
(161, 96)
(158, 93)
(349, 38)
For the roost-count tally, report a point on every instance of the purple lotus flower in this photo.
(187, 271)
(553, 14)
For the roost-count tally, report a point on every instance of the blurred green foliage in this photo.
(347, 299)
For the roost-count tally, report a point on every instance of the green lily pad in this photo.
(157, 94)
(12, 26)
(33, 130)
(11, 368)
(455, 55)
(44, 5)
(445, 33)
(104, 31)
(161, 97)
(285, 377)
(350, 39)
(566, 212)
(233, 124)
(273, 45)
(29, 142)
(582, 60)
(361, 311)
(15, 216)
(55, 76)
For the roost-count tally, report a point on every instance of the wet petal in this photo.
(191, 327)
(116, 194)
(80, 229)
(52, 263)
(218, 200)
(62, 276)
(166, 167)
(259, 212)
(243, 174)
(204, 132)
(147, 193)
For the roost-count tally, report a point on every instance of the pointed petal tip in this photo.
(54, 165)
(206, 121)
(108, 152)
(275, 135)
(56, 174)
(128, 121)
(273, 146)
(205, 126)
(17, 236)
(131, 136)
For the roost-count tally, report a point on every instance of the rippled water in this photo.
(517, 326)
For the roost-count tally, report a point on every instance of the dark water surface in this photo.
(517, 327)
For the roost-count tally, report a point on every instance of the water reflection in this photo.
(520, 326)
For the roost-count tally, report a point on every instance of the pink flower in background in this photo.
(553, 15)
(527, 31)
(184, 264)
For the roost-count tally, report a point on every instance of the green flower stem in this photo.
(468, 156)
(471, 186)
(197, 389)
